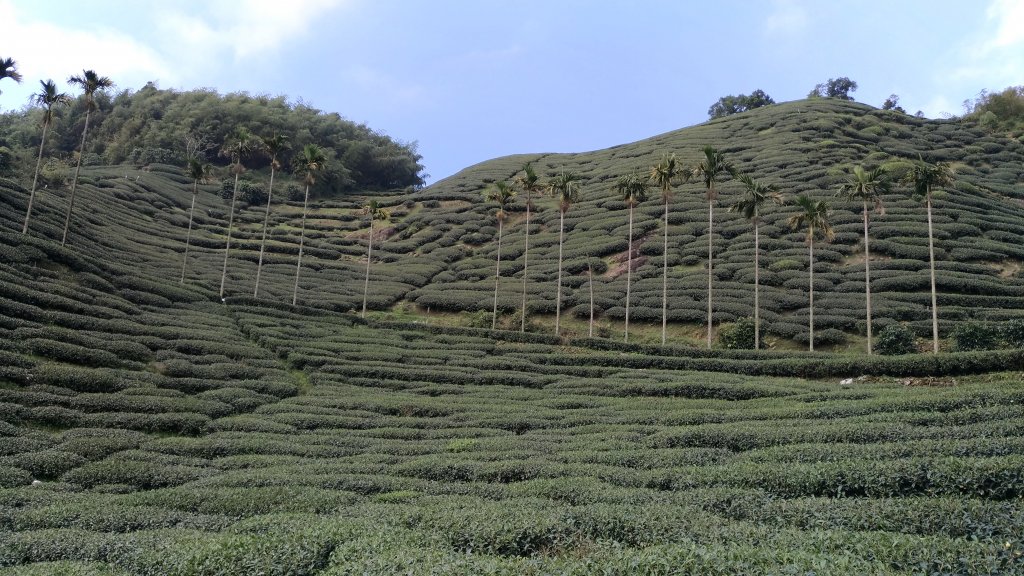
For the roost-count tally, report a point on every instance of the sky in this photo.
(470, 80)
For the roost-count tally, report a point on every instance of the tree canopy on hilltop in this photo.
(152, 125)
(727, 105)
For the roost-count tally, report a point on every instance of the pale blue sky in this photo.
(472, 80)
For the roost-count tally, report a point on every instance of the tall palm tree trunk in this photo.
(35, 179)
(664, 280)
(629, 270)
(757, 284)
(74, 183)
(302, 240)
(558, 292)
(526, 254)
(867, 276)
(188, 235)
(590, 275)
(369, 254)
(931, 259)
(227, 246)
(263, 241)
(811, 253)
(497, 276)
(711, 255)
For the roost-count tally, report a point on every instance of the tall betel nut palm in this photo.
(501, 194)
(755, 196)
(566, 188)
(922, 179)
(867, 187)
(664, 175)
(274, 146)
(632, 188)
(711, 169)
(309, 163)
(373, 212)
(9, 69)
(529, 184)
(198, 171)
(90, 83)
(813, 217)
(48, 98)
(238, 147)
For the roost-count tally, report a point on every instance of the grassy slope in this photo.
(177, 435)
(438, 252)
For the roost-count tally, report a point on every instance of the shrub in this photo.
(1012, 333)
(739, 335)
(974, 336)
(895, 339)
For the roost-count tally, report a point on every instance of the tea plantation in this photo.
(147, 427)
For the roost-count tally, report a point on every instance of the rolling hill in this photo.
(147, 427)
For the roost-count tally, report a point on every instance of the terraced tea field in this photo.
(190, 437)
(148, 427)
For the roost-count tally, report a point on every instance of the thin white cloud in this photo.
(787, 17)
(110, 52)
(245, 29)
(180, 44)
(996, 54)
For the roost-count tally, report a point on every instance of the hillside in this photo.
(437, 252)
(149, 428)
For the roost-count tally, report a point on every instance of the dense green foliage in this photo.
(727, 105)
(896, 339)
(151, 126)
(1001, 111)
(174, 434)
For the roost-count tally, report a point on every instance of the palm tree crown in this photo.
(90, 83)
(501, 194)
(9, 69)
(813, 216)
(565, 188)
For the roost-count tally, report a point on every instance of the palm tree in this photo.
(711, 169)
(90, 83)
(274, 145)
(866, 187)
(632, 188)
(813, 216)
(664, 174)
(373, 211)
(922, 178)
(9, 69)
(310, 162)
(501, 194)
(529, 183)
(198, 172)
(238, 147)
(48, 97)
(756, 196)
(566, 188)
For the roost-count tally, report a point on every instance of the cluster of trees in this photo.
(727, 105)
(809, 215)
(839, 88)
(245, 147)
(154, 125)
(1003, 111)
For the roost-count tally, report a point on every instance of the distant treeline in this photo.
(167, 126)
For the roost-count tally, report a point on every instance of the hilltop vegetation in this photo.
(152, 125)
